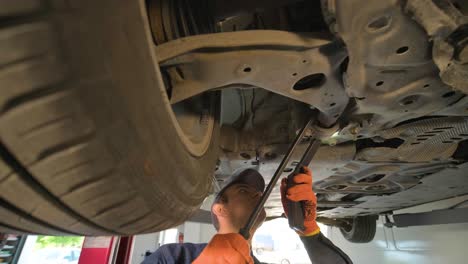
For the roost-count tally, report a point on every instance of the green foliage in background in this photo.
(58, 241)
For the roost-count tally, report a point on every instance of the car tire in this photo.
(89, 143)
(361, 230)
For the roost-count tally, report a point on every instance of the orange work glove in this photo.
(302, 191)
(226, 248)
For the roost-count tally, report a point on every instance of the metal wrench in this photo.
(295, 211)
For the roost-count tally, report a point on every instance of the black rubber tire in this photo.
(88, 141)
(362, 230)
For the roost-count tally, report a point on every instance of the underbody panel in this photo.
(386, 80)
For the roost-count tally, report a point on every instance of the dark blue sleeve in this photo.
(156, 258)
(175, 253)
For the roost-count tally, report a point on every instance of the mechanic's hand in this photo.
(302, 191)
(226, 248)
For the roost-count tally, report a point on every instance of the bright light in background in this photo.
(168, 236)
(51, 250)
(275, 242)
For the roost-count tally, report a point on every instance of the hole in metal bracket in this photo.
(402, 50)
(310, 81)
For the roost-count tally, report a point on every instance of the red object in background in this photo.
(124, 251)
(181, 237)
(99, 250)
(96, 250)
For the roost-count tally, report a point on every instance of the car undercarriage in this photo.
(121, 117)
(385, 79)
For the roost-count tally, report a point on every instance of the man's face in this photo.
(242, 199)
